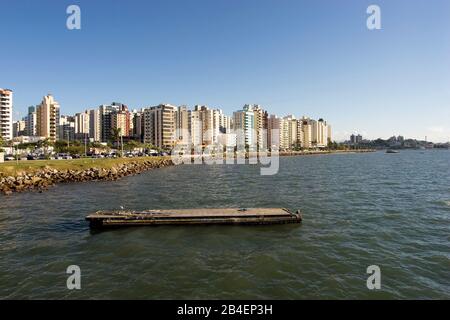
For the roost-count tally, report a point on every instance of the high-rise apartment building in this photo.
(121, 120)
(290, 133)
(261, 123)
(320, 133)
(159, 128)
(138, 125)
(30, 122)
(274, 132)
(307, 132)
(182, 132)
(225, 123)
(106, 112)
(211, 123)
(195, 127)
(66, 128)
(207, 120)
(244, 126)
(82, 124)
(47, 118)
(95, 125)
(19, 128)
(6, 110)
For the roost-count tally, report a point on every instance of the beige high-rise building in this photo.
(207, 123)
(210, 120)
(95, 125)
(19, 128)
(6, 111)
(307, 133)
(290, 133)
(121, 120)
(159, 128)
(320, 133)
(182, 125)
(329, 133)
(47, 118)
(274, 132)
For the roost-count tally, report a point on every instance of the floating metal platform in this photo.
(236, 216)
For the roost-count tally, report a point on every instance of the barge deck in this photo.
(233, 216)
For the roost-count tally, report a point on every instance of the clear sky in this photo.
(314, 58)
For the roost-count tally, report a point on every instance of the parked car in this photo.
(98, 156)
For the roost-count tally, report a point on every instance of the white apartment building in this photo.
(6, 110)
(82, 124)
(66, 128)
(30, 122)
(195, 127)
(225, 123)
(260, 123)
(244, 126)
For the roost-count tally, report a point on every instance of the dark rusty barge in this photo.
(230, 216)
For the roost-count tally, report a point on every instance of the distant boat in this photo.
(391, 151)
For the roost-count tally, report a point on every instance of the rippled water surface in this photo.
(359, 210)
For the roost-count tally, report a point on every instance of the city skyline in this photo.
(166, 126)
(141, 109)
(302, 58)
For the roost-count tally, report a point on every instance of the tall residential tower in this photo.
(6, 109)
(47, 118)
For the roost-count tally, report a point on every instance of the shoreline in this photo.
(310, 153)
(40, 175)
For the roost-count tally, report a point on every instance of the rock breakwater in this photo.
(46, 177)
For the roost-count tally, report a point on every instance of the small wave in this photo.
(447, 203)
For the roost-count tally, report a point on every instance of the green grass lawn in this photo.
(11, 168)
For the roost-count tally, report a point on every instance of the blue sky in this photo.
(313, 58)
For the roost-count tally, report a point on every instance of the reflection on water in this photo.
(358, 209)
